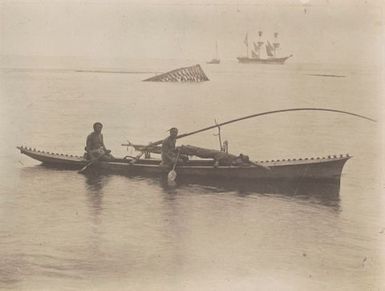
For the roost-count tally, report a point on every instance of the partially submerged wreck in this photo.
(186, 74)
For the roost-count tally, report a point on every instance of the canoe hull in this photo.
(329, 168)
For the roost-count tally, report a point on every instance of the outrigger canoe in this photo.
(320, 168)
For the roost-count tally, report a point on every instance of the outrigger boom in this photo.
(257, 115)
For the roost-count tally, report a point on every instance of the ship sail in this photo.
(276, 43)
(257, 46)
(216, 50)
(215, 60)
(246, 40)
(269, 49)
(254, 54)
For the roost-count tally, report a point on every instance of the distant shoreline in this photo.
(78, 71)
(327, 75)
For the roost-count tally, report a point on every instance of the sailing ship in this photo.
(215, 60)
(256, 51)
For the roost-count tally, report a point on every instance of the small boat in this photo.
(216, 60)
(320, 168)
(256, 52)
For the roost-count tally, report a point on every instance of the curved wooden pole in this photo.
(275, 111)
(261, 114)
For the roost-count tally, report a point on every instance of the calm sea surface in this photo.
(60, 230)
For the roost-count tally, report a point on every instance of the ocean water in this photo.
(60, 230)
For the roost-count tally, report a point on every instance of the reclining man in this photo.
(221, 158)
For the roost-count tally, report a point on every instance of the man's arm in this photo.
(104, 147)
(88, 143)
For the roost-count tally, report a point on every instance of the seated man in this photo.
(95, 148)
(169, 152)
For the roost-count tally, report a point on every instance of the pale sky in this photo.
(313, 31)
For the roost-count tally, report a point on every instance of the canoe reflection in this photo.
(324, 192)
(95, 182)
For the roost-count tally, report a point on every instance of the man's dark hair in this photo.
(97, 123)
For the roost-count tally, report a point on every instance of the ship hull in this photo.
(273, 61)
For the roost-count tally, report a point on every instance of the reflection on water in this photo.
(314, 191)
(95, 182)
(323, 192)
(94, 185)
(137, 222)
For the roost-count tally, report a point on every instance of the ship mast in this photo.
(260, 43)
(275, 43)
(246, 42)
(216, 50)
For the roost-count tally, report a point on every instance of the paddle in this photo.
(172, 174)
(91, 163)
